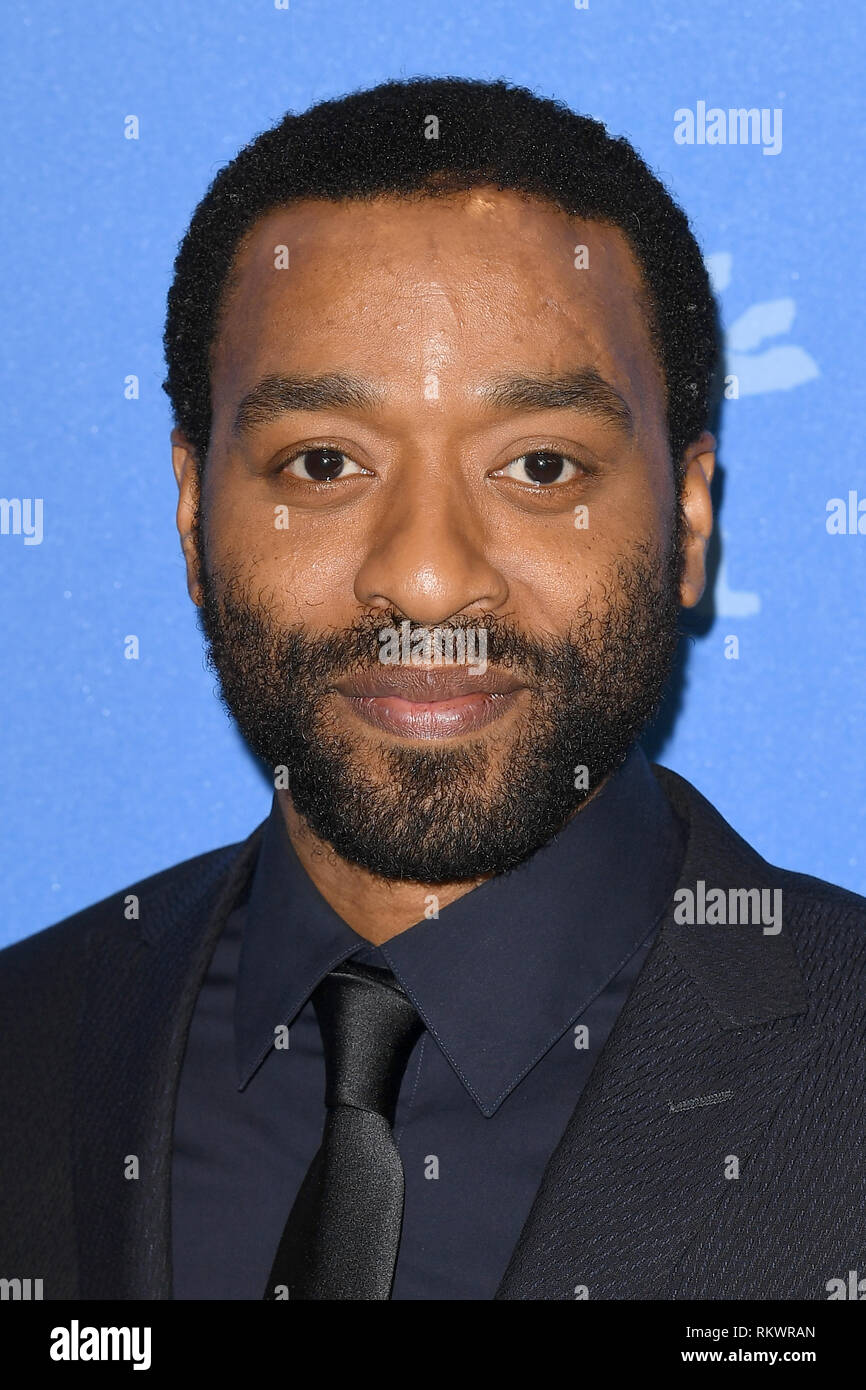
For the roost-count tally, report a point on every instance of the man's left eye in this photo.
(540, 467)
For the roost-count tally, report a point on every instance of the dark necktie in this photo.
(343, 1232)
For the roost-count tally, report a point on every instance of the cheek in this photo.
(550, 584)
(572, 563)
(577, 552)
(295, 562)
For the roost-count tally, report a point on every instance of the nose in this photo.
(428, 558)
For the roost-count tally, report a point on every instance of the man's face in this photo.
(535, 533)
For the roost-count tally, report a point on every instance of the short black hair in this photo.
(376, 142)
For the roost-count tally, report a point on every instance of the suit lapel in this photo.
(143, 980)
(710, 1043)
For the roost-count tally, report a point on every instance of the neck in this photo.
(376, 908)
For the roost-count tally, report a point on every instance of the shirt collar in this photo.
(504, 970)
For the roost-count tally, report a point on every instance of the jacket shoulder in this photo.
(181, 885)
(813, 900)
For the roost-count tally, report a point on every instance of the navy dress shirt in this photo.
(519, 983)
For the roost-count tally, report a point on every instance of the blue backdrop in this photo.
(115, 768)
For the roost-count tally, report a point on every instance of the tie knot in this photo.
(369, 1028)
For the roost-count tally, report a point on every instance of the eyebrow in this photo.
(274, 396)
(583, 389)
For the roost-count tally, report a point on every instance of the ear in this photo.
(183, 461)
(699, 463)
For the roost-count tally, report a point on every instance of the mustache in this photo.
(335, 653)
(240, 625)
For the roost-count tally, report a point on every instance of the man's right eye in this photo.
(321, 465)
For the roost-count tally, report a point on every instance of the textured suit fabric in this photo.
(734, 1044)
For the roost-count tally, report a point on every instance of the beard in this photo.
(462, 811)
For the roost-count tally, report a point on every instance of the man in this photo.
(488, 1007)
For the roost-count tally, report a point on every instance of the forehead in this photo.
(464, 282)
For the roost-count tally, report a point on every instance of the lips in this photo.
(413, 683)
(443, 703)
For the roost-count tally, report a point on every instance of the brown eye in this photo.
(542, 466)
(321, 465)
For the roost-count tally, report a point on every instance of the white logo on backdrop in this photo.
(776, 368)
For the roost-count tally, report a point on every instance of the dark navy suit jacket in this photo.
(716, 1151)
